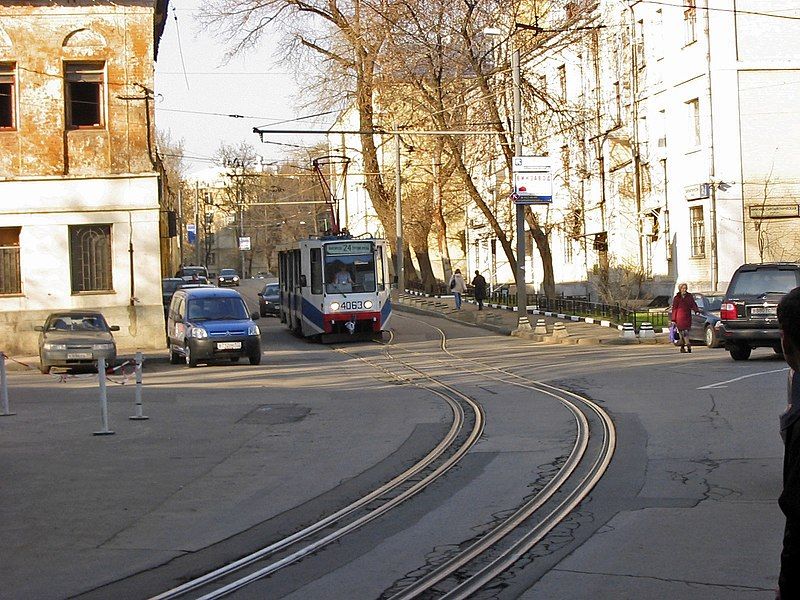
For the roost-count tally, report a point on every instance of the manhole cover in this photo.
(276, 414)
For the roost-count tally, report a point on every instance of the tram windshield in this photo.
(350, 267)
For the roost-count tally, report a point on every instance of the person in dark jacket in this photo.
(683, 305)
(479, 285)
(789, 501)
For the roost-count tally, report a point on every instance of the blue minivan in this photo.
(211, 324)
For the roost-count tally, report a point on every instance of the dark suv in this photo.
(748, 313)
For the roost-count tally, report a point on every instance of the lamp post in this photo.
(398, 215)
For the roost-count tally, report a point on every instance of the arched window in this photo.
(90, 257)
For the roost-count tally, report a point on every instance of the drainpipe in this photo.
(714, 266)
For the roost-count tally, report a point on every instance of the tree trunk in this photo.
(543, 246)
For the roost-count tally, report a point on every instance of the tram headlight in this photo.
(368, 304)
(334, 306)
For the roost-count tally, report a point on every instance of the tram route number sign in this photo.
(348, 248)
(533, 180)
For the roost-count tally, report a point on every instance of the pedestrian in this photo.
(789, 501)
(479, 289)
(458, 286)
(683, 305)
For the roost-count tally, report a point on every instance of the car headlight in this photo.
(368, 304)
(253, 330)
(334, 306)
(55, 346)
(235, 278)
(105, 346)
(198, 332)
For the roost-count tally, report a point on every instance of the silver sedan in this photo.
(75, 339)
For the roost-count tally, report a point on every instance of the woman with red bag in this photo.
(683, 305)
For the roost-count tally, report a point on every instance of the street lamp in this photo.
(523, 323)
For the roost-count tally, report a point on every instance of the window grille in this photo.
(90, 257)
(10, 275)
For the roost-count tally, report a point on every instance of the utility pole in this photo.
(180, 223)
(398, 214)
(197, 223)
(523, 323)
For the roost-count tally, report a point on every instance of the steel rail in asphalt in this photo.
(396, 482)
(508, 556)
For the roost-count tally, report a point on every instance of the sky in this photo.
(196, 90)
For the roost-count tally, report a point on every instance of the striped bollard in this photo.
(138, 416)
(646, 331)
(560, 330)
(628, 332)
(541, 327)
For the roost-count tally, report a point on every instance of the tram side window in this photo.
(316, 270)
(379, 268)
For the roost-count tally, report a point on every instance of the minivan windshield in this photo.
(216, 309)
(761, 281)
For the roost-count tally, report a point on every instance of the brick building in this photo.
(79, 185)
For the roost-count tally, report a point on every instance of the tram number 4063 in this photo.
(352, 305)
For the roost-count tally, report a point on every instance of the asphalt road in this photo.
(234, 456)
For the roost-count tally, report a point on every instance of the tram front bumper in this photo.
(364, 321)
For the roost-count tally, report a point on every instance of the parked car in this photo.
(269, 300)
(168, 287)
(227, 277)
(748, 314)
(705, 325)
(206, 324)
(75, 339)
(263, 275)
(190, 271)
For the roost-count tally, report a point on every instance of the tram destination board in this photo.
(348, 248)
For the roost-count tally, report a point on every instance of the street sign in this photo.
(533, 180)
(191, 233)
(244, 243)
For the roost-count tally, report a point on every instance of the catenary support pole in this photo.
(4, 387)
(523, 323)
(101, 376)
(139, 416)
(398, 214)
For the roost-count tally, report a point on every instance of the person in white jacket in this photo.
(458, 286)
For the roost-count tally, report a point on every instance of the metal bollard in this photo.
(101, 376)
(138, 416)
(4, 387)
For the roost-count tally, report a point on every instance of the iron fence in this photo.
(579, 306)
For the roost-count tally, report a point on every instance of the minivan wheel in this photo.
(255, 358)
(739, 352)
(778, 350)
(191, 361)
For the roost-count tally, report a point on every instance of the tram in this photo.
(335, 287)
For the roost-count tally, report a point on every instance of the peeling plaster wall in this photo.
(52, 177)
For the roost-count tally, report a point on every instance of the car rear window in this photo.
(761, 281)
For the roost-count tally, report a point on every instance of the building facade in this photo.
(79, 185)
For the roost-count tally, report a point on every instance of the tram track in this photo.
(465, 430)
(465, 574)
(494, 552)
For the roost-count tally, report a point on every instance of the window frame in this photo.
(693, 123)
(8, 76)
(99, 279)
(690, 22)
(12, 251)
(697, 231)
(84, 73)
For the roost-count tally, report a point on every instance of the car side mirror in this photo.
(303, 282)
(114, 328)
(254, 316)
(260, 293)
(39, 328)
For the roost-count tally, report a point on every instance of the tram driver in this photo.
(342, 276)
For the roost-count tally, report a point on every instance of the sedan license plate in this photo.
(79, 355)
(764, 311)
(229, 345)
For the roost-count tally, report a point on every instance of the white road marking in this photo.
(721, 384)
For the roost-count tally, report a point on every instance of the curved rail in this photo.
(441, 448)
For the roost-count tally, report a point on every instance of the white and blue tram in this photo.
(335, 287)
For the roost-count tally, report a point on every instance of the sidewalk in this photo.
(546, 327)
